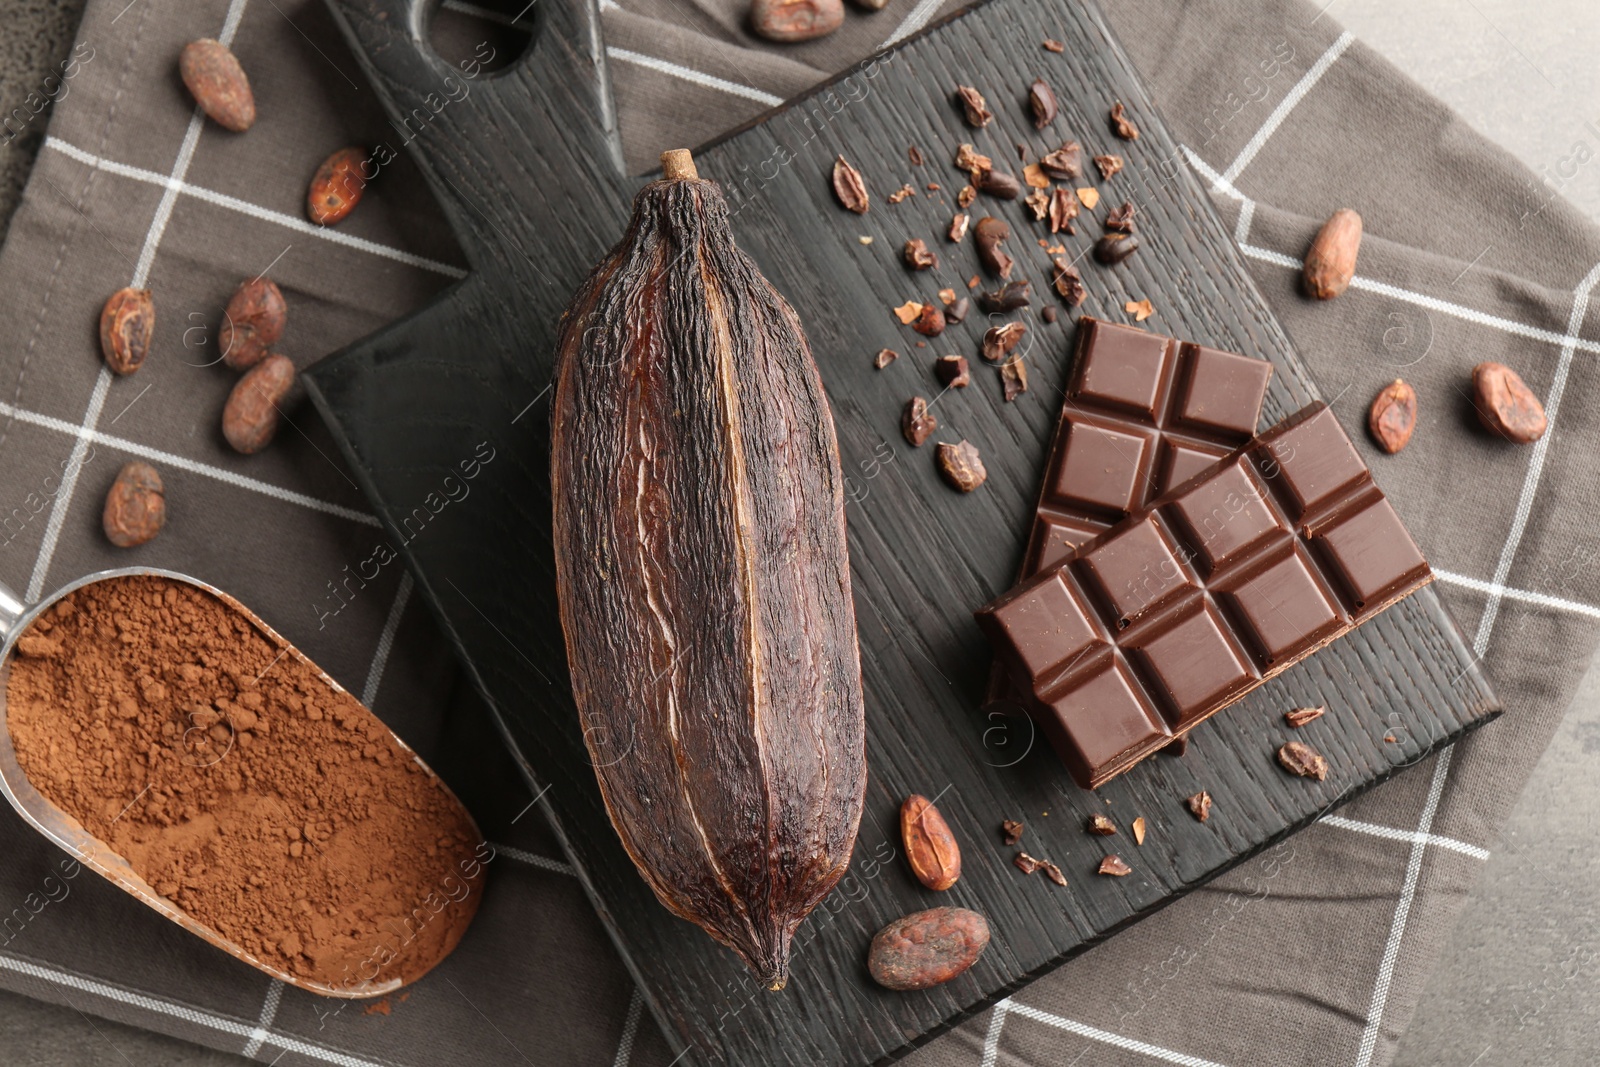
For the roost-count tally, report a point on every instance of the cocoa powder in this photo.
(244, 788)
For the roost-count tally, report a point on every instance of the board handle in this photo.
(496, 145)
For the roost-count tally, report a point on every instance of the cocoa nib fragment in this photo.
(1065, 163)
(919, 256)
(961, 466)
(1000, 341)
(1025, 863)
(1300, 716)
(915, 154)
(966, 196)
(989, 234)
(1068, 283)
(1114, 248)
(901, 193)
(1063, 209)
(1011, 830)
(1393, 416)
(999, 184)
(915, 422)
(1505, 404)
(1053, 45)
(1042, 103)
(1297, 757)
(1114, 866)
(1120, 124)
(1108, 165)
(884, 357)
(957, 310)
(849, 187)
(929, 322)
(1013, 379)
(1200, 805)
(1099, 824)
(1038, 202)
(972, 161)
(1052, 872)
(958, 227)
(1009, 297)
(1121, 218)
(975, 107)
(952, 372)
(1048, 313)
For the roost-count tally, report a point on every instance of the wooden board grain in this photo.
(527, 166)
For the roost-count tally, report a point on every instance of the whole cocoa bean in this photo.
(1506, 405)
(1393, 416)
(136, 506)
(1331, 260)
(252, 323)
(931, 848)
(337, 186)
(250, 417)
(216, 81)
(127, 323)
(926, 948)
(796, 20)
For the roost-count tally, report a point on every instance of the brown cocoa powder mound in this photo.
(264, 803)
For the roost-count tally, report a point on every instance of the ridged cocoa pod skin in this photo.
(217, 82)
(250, 418)
(252, 323)
(127, 324)
(704, 577)
(927, 948)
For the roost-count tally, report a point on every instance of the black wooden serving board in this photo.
(527, 166)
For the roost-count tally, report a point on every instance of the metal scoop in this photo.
(64, 830)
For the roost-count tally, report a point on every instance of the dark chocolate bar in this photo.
(1174, 613)
(1143, 414)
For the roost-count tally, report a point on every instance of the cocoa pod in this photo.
(127, 323)
(1393, 417)
(136, 506)
(252, 323)
(250, 418)
(1505, 404)
(796, 20)
(218, 84)
(1331, 260)
(931, 848)
(927, 948)
(336, 187)
(704, 578)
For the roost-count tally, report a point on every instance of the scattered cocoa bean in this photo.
(1009, 297)
(884, 357)
(989, 234)
(999, 184)
(1065, 164)
(250, 418)
(931, 848)
(918, 255)
(1300, 716)
(217, 82)
(1115, 866)
(1100, 824)
(952, 372)
(1331, 259)
(337, 187)
(1393, 416)
(1000, 341)
(927, 948)
(961, 466)
(136, 506)
(1121, 218)
(849, 187)
(795, 20)
(915, 422)
(1200, 805)
(1011, 830)
(1113, 248)
(1505, 404)
(252, 323)
(1067, 282)
(1063, 209)
(1013, 379)
(1120, 124)
(1042, 103)
(930, 321)
(974, 106)
(1108, 165)
(1297, 757)
(127, 323)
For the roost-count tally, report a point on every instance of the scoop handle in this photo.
(11, 609)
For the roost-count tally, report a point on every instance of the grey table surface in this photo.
(1520, 982)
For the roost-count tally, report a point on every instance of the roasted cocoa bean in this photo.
(1063, 209)
(1297, 757)
(136, 506)
(1114, 248)
(926, 948)
(929, 322)
(1009, 297)
(931, 848)
(974, 106)
(1505, 404)
(1121, 125)
(988, 235)
(1065, 164)
(999, 184)
(217, 82)
(127, 323)
(252, 323)
(849, 187)
(1000, 341)
(916, 425)
(918, 255)
(796, 20)
(337, 186)
(1042, 103)
(1393, 416)
(1200, 805)
(1331, 260)
(960, 466)
(250, 418)
(952, 371)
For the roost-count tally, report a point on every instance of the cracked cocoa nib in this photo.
(919, 256)
(885, 357)
(1114, 866)
(1300, 716)
(961, 466)
(975, 107)
(1200, 805)
(915, 422)
(1012, 829)
(1014, 379)
(1121, 218)
(1026, 863)
(1063, 209)
(1052, 872)
(952, 372)
(1099, 824)
(1065, 163)
(1297, 757)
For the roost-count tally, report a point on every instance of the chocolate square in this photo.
(1311, 463)
(1100, 716)
(1181, 461)
(1135, 570)
(1371, 552)
(1048, 628)
(1122, 367)
(1103, 467)
(1285, 609)
(1222, 391)
(1193, 663)
(1226, 515)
